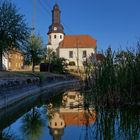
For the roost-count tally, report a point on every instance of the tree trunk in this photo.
(33, 66)
(33, 112)
(1, 58)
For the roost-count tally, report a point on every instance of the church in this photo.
(75, 48)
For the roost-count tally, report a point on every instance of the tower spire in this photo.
(56, 30)
(56, 26)
(56, 14)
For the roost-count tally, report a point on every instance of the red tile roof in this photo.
(81, 41)
(78, 118)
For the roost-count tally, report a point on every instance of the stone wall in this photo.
(12, 84)
(17, 83)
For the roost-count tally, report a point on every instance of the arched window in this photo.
(54, 36)
(60, 36)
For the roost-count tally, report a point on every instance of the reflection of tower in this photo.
(56, 30)
(56, 125)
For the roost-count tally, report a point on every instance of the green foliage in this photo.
(13, 29)
(44, 54)
(117, 124)
(34, 51)
(115, 80)
(56, 64)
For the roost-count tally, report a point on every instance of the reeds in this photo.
(115, 80)
(117, 124)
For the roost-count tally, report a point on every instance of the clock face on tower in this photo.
(55, 28)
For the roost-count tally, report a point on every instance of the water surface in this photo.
(67, 116)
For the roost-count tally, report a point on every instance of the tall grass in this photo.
(117, 124)
(115, 80)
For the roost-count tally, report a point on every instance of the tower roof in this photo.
(56, 26)
(56, 7)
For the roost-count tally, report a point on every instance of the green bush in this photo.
(57, 64)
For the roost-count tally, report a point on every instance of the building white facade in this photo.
(55, 39)
(77, 56)
(5, 62)
(74, 48)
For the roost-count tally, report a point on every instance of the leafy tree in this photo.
(13, 29)
(33, 54)
(56, 64)
(44, 54)
(50, 55)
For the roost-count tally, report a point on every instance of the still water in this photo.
(67, 116)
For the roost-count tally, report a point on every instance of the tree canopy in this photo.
(13, 28)
(34, 51)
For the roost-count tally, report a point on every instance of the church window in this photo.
(55, 124)
(60, 36)
(70, 54)
(54, 36)
(84, 54)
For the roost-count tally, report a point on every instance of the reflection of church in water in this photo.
(72, 112)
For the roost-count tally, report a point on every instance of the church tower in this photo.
(56, 30)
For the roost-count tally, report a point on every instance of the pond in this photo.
(67, 116)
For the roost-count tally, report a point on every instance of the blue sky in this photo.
(110, 22)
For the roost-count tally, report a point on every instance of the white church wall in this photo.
(55, 39)
(64, 52)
